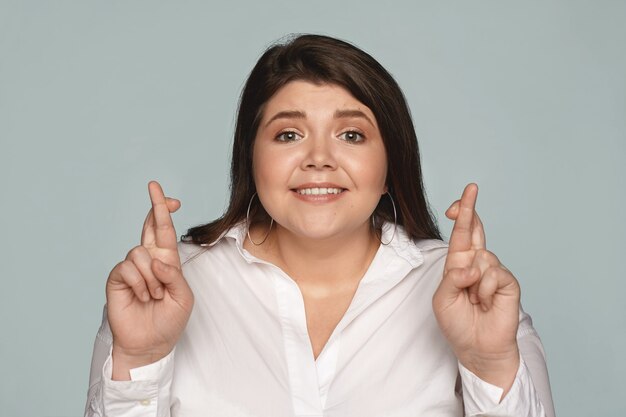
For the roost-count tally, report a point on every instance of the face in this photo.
(319, 161)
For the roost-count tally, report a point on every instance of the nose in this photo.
(319, 154)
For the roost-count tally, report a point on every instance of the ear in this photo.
(385, 190)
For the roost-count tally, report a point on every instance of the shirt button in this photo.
(144, 402)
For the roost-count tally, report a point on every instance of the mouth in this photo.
(319, 190)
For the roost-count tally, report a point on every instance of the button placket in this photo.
(302, 372)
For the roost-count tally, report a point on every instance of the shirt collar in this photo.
(399, 242)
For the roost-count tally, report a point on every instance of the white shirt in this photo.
(246, 350)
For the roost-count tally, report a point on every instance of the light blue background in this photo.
(528, 99)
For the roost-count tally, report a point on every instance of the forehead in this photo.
(311, 97)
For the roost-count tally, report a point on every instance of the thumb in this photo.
(168, 275)
(175, 284)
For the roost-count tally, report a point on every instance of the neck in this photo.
(330, 261)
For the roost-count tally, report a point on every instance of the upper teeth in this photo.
(320, 191)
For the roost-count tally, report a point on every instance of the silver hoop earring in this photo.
(248, 224)
(395, 221)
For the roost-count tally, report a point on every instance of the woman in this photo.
(325, 288)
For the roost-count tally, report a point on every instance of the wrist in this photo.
(497, 369)
(123, 361)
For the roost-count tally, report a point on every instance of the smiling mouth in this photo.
(319, 191)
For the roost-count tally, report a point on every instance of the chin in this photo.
(324, 229)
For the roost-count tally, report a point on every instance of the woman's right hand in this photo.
(148, 299)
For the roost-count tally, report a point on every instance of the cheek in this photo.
(271, 167)
(370, 172)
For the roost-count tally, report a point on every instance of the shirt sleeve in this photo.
(483, 399)
(147, 394)
(530, 393)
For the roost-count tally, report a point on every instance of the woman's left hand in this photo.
(477, 302)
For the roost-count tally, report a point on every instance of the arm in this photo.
(101, 348)
(534, 356)
(148, 305)
(477, 306)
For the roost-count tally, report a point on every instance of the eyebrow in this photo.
(287, 114)
(339, 114)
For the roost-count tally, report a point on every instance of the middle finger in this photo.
(142, 260)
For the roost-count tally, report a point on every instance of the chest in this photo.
(324, 309)
(247, 351)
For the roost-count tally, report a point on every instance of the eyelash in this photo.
(360, 135)
(281, 136)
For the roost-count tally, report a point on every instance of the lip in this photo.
(318, 185)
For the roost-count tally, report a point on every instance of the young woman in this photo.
(325, 289)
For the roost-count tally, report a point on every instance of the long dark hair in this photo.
(322, 59)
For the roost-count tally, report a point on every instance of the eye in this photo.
(352, 136)
(288, 136)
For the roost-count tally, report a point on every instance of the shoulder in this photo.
(189, 251)
(426, 258)
(192, 253)
(431, 245)
(433, 251)
(415, 251)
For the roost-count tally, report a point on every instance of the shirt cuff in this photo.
(146, 394)
(482, 398)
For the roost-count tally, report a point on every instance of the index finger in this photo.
(147, 232)
(461, 237)
(164, 232)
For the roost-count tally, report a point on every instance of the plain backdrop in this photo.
(528, 99)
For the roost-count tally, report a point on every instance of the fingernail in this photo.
(145, 297)
(158, 292)
(484, 307)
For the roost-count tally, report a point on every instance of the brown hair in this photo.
(322, 59)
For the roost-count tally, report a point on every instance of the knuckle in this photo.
(487, 256)
(115, 273)
(454, 272)
(129, 273)
(134, 253)
(124, 267)
(117, 268)
(514, 280)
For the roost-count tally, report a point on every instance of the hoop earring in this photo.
(395, 222)
(248, 224)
